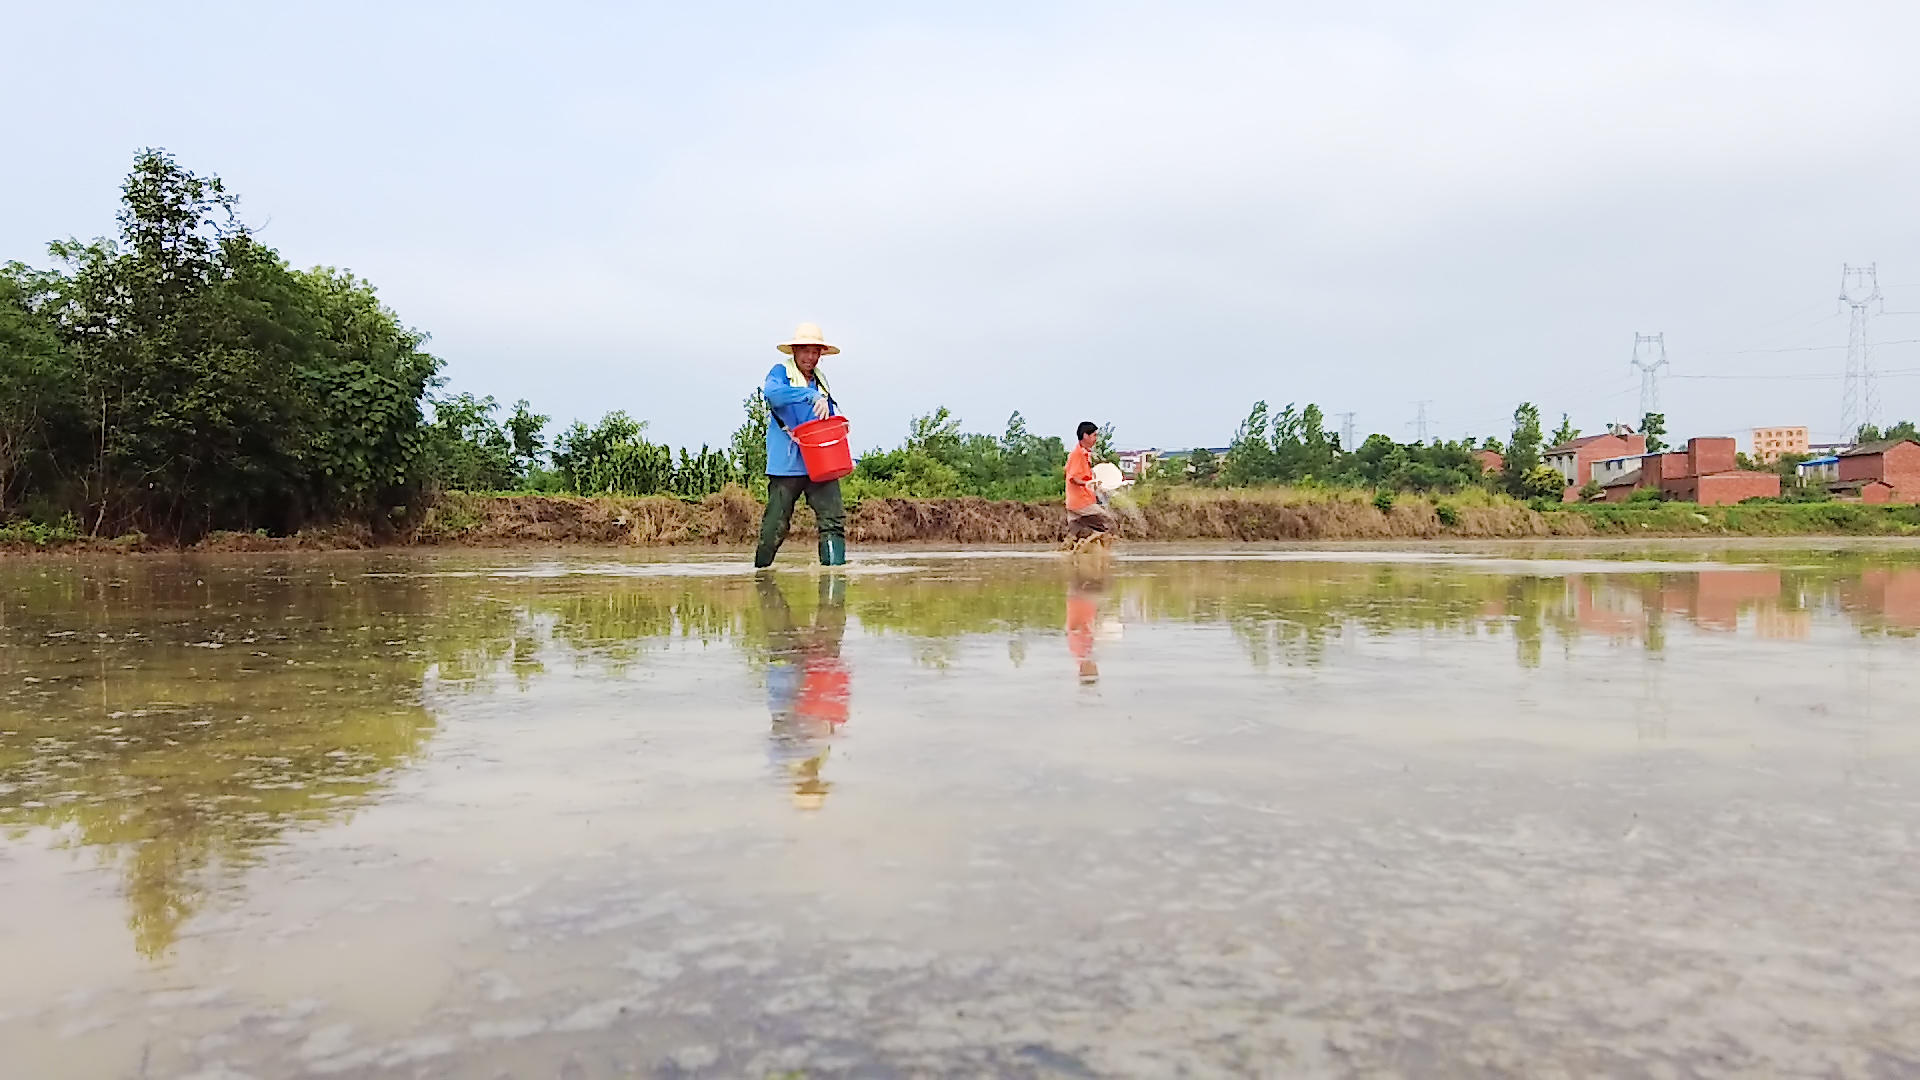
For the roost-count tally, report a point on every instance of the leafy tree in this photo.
(1250, 456)
(1203, 467)
(1591, 491)
(1542, 482)
(936, 434)
(614, 458)
(938, 458)
(1868, 433)
(525, 430)
(1523, 449)
(1787, 465)
(39, 395)
(468, 451)
(750, 443)
(211, 386)
(1654, 426)
(1565, 433)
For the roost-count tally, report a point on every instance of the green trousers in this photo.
(783, 493)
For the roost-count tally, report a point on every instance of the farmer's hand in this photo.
(820, 406)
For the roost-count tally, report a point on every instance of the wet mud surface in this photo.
(1622, 811)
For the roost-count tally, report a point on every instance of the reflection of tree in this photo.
(180, 723)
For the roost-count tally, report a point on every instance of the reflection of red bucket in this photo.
(823, 446)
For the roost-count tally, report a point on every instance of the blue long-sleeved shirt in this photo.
(794, 405)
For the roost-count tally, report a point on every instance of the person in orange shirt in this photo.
(1085, 515)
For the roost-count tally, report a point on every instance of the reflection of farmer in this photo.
(796, 393)
(807, 685)
(1085, 514)
(1083, 611)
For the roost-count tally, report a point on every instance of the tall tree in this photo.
(1654, 426)
(1250, 457)
(526, 428)
(1565, 433)
(1202, 466)
(1523, 448)
(1868, 433)
(749, 443)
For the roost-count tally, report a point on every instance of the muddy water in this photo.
(1560, 812)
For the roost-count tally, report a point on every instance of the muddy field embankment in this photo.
(733, 517)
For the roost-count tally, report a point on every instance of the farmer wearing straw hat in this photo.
(796, 393)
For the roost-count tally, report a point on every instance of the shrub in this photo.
(1447, 514)
(1383, 501)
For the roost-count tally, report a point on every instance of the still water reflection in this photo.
(1236, 811)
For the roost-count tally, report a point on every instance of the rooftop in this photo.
(1621, 431)
(1880, 447)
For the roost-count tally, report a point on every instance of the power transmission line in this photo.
(1649, 356)
(1859, 400)
(1894, 373)
(1420, 421)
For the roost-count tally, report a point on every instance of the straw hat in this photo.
(806, 334)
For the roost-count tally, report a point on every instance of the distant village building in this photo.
(1893, 462)
(1769, 443)
(1706, 472)
(1574, 460)
(1135, 464)
(1818, 472)
(1611, 469)
(1181, 460)
(1490, 460)
(1872, 492)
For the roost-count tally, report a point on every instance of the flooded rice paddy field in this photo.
(1533, 812)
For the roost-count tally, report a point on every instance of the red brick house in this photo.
(1872, 492)
(1705, 473)
(1490, 460)
(1575, 460)
(1894, 462)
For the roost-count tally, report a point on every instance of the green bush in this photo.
(38, 534)
(1447, 514)
(1383, 501)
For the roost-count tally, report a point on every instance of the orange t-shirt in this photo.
(1078, 496)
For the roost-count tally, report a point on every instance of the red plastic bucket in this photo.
(823, 446)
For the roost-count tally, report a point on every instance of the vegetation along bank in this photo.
(731, 517)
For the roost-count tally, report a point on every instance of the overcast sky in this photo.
(1152, 214)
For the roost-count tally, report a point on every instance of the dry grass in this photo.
(733, 517)
(1338, 514)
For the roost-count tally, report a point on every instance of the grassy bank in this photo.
(732, 518)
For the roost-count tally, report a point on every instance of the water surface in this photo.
(1641, 810)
